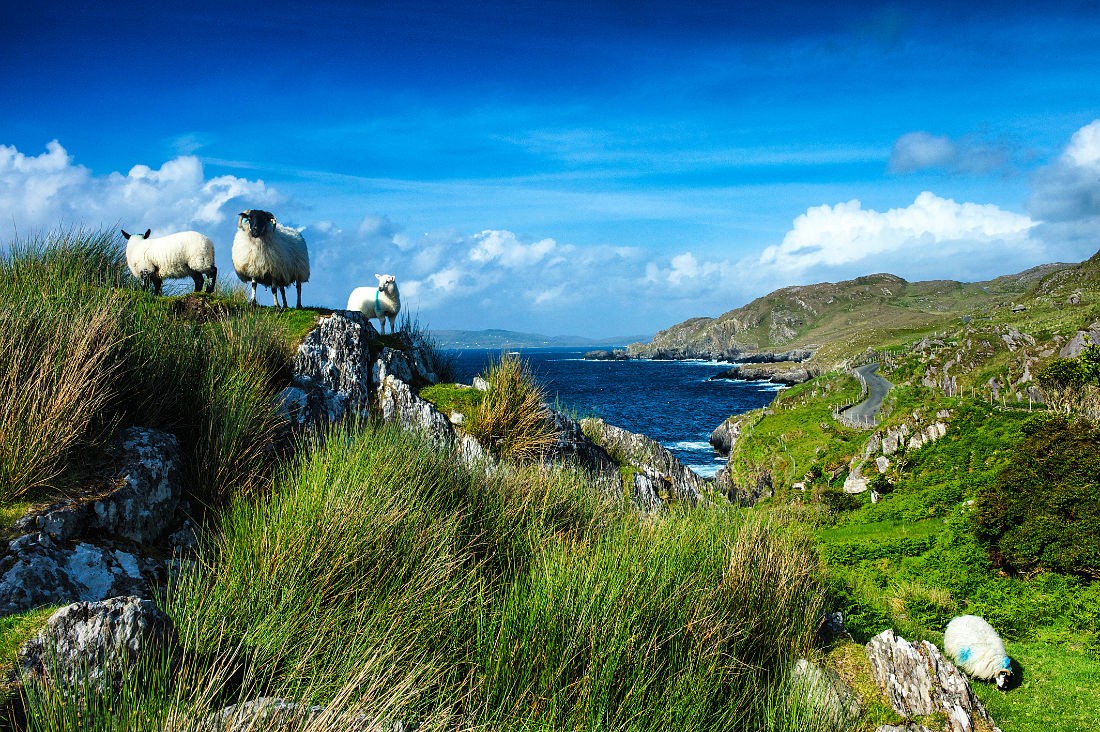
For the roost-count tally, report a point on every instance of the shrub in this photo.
(511, 419)
(1043, 511)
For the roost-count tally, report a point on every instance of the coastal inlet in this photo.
(674, 402)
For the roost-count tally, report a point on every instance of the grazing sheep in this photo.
(977, 648)
(185, 254)
(267, 253)
(379, 302)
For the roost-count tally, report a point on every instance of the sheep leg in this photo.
(211, 279)
(298, 286)
(393, 324)
(275, 294)
(157, 282)
(197, 277)
(252, 297)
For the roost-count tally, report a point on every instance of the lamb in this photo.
(267, 253)
(978, 650)
(379, 302)
(184, 254)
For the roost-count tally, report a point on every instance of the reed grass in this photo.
(511, 418)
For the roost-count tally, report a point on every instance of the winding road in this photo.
(877, 387)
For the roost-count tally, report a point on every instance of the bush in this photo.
(1043, 512)
(511, 419)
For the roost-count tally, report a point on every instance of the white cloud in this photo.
(915, 151)
(1066, 196)
(504, 248)
(50, 190)
(828, 239)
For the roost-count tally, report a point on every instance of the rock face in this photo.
(572, 445)
(786, 374)
(918, 681)
(1080, 341)
(726, 434)
(95, 645)
(823, 694)
(663, 476)
(82, 548)
(141, 503)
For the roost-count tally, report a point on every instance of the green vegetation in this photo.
(1043, 512)
(511, 417)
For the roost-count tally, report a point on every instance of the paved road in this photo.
(877, 387)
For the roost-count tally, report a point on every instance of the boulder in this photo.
(647, 455)
(38, 571)
(140, 504)
(725, 435)
(919, 681)
(97, 644)
(1081, 340)
(571, 445)
(823, 695)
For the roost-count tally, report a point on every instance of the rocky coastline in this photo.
(786, 373)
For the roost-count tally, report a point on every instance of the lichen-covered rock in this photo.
(37, 571)
(275, 714)
(573, 446)
(140, 505)
(648, 455)
(823, 694)
(94, 645)
(918, 681)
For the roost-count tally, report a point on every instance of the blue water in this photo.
(674, 402)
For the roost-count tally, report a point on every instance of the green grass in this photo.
(448, 398)
(380, 571)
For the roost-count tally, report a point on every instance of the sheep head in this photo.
(387, 282)
(1004, 676)
(256, 221)
(143, 236)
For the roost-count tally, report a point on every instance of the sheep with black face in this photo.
(267, 253)
(184, 254)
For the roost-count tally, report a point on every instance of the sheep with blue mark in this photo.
(977, 649)
(382, 302)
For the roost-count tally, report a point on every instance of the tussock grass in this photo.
(100, 354)
(511, 418)
(517, 600)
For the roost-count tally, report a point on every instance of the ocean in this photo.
(674, 402)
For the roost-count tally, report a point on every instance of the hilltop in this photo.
(829, 323)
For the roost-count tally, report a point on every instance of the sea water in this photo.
(673, 402)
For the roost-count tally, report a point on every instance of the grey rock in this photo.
(907, 727)
(141, 503)
(725, 435)
(40, 572)
(882, 463)
(572, 445)
(275, 714)
(397, 403)
(823, 694)
(787, 375)
(1081, 340)
(918, 681)
(90, 645)
(332, 369)
(647, 455)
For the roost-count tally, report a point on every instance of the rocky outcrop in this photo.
(919, 681)
(275, 714)
(140, 503)
(85, 548)
(618, 354)
(663, 475)
(783, 373)
(1081, 340)
(822, 694)
(725, 435)
(572, 445)
(95, 645)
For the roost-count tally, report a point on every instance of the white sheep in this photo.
(184, 254)
(267, 253)
(977, 648)
(379, 302)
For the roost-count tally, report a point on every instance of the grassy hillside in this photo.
(839, 321)
(375, 574)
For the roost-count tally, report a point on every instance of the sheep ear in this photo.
(125, 235)
(147, 233)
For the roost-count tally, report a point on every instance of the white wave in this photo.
(705, 470)
(689, 445)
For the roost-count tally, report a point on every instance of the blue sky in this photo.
(591, 168)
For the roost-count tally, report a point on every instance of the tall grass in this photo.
(520, 600)
(99, 354)
(511, 418)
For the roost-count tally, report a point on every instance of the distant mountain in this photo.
(496, 338)
(834, 321)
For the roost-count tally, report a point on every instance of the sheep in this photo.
(379, 302)
(267, 253)
(184, 254)
(977, 648)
